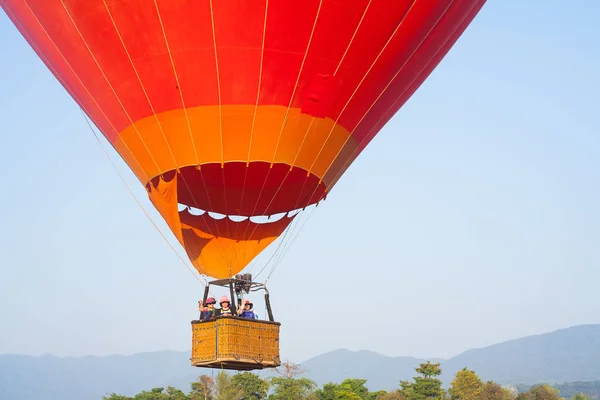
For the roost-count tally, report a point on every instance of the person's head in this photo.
(210, 302)
(224, 302)
(248, 305)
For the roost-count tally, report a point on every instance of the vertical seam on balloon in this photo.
(360, 84)
(339, 173)
(80, 82)
(177, 81)
(68, 88)
(111, 87)
(287, 212)
(314, 191)
(352, 38)
(409, 58)
(140, 82)
(109, 84)
(214, 36)
(185, 112)
(217, 243)
(334, 74)
(319, 123)
(286, 117)
(148, 99)
(313, 119)
(260, 70)
(349, 159)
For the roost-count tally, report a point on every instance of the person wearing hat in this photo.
(208, 312)
(225, 309)
(246, 310)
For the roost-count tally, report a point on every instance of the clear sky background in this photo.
(472, 218)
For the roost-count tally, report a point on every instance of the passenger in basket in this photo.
(225, 310)
(208, 312)
(246, 311)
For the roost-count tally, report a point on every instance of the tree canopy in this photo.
(289, 384)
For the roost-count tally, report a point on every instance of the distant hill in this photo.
(569, 389)
(566, 355)
(90, 377)
(381, 372)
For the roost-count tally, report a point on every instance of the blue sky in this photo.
(472, 218)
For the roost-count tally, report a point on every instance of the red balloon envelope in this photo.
(242, 108)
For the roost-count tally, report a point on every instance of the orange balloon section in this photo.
(242, 108)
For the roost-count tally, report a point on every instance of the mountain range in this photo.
(565, 355)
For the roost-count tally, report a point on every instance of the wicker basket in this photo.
(235, 343)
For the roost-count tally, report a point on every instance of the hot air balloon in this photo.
(239, 109)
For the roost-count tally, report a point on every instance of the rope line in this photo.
(136, 199)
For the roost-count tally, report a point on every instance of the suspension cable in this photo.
(136, 199)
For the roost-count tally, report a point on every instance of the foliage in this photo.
(202, 389)
(466, 385)
(349, 389)
(287, 386)
(580, 396)
(154, 394)
(356, 387)
(590, 389)
(540, 392)
(392, 395)
(225, 389)
(424, 386)
(291, 388)
(251, 386)
(493, 391)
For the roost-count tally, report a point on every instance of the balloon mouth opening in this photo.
(256, 192)
(256, 219)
